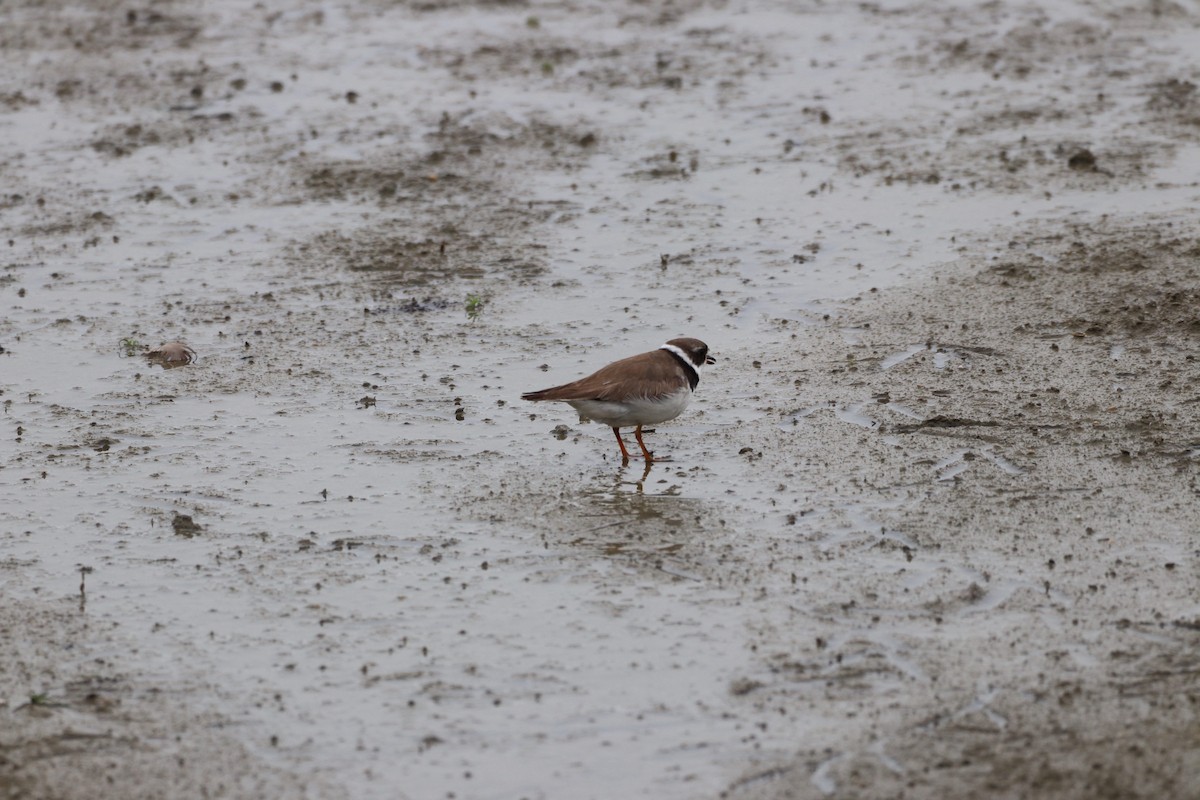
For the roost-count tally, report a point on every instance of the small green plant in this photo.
(130, 347)
(38, 699)
(474, 306)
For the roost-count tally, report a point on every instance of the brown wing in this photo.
(620, 380)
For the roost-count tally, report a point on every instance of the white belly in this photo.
(637, 411)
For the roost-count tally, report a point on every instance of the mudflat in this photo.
(930, 527)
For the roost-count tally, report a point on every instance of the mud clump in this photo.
(185, 526)
(1082, 161)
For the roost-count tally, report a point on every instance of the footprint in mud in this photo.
(853, 414)
(955, 464)
(943, 354)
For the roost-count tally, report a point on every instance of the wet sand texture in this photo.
(931, 526)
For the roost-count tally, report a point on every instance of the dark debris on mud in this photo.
(396, 259)
(1039, 449)
(110, 721)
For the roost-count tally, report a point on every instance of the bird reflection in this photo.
(171, 355)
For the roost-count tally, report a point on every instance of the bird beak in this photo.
(709, 360)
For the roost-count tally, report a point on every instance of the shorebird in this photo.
(640, 390)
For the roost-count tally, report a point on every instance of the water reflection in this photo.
(643, 523)
(171, 355)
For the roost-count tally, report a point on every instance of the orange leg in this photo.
(621, 443)
(637, 434)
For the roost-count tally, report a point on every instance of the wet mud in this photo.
(1039, 455)
(275, 522)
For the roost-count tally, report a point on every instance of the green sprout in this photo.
(474, 306)
(130, 347)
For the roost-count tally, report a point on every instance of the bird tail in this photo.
(553, 393)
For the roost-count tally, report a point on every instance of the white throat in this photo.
(683, 357)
